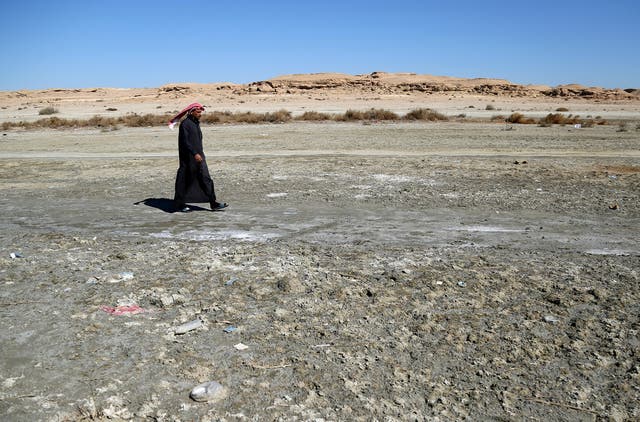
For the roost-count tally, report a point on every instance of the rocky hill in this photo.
(399, 83)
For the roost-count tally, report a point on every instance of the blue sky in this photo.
(76, 44)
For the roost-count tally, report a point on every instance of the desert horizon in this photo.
(328, 93)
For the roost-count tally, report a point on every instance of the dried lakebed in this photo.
(395, 271)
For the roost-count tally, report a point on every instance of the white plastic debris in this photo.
(126, 275)
(189, 326)
(207, 391)
(241, 346)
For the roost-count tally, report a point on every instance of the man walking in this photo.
(193, 182)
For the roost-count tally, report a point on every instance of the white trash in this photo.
(207, 391)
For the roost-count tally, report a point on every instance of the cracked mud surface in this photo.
(395, 271)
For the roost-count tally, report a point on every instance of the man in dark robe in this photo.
(193, 182)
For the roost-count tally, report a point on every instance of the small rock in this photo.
(462, 284)
(207, 391)
(551, 319)
(241, 346)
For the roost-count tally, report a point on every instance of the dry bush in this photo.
(559, 119)
(562, 109)
(520, 118)
(425, 114)
(247, 117)
(47, 111)
(279, 116)
(379, 114)
(350, 115)
(217, 117)
(135, 120)
(489, 107)
(314, 116)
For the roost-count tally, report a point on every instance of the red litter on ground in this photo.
(122, 310)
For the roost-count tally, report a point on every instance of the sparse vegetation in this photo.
(559, 119)
(425, 114)
(283, 116)
(490, 107)
(520, 119)
(314, 116)
(47, 111)
(562, 109)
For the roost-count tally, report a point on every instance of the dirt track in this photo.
(383, 271)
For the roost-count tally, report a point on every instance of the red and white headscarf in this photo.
(187, 109)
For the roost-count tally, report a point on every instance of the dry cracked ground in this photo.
(401, 271)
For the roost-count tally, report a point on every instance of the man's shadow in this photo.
(165, 204)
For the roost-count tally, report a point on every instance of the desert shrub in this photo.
(135, 120)
(425, 114)
(498, 118)
(217, 117)
(112, 109)
(560, 119)
(562, 109)
(622, 127)
(248, 117)
(350, 115)
(489, 107)
(47, 111)
(380, 114)
(314, 116)
(279, 116)
(588, 123)
(520, 118)
(52, 122)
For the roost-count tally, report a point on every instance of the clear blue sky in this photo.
(102, 43)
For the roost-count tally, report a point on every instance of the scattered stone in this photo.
(551, 319)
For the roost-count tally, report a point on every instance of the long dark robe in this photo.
(193, 182)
